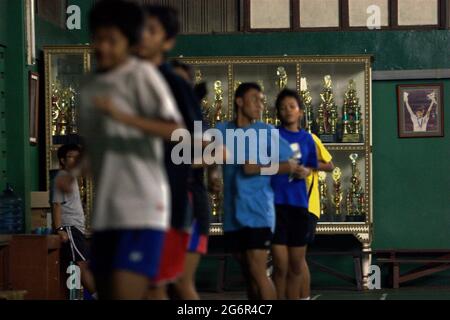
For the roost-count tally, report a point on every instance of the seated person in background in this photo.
(68, 214)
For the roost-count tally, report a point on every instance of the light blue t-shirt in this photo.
(249, 200)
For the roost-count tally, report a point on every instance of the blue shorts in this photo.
(137, 251)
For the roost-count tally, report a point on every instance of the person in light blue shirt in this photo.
(249, 216)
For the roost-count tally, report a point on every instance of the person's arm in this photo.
(408, 107)
(325, 166)
(154, 127)
(56, 216)
(433, 101)
(302, 172)
(287, 167)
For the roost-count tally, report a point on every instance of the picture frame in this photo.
(33, 85)
(420, 110)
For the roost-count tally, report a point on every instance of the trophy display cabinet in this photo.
(336, 92)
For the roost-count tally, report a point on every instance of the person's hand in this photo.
(432, 97)
(405, 96)
(63, 236)
(293, 164)
(301, 172)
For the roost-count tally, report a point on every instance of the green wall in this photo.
(12, 37)
(411, 186)
(392, 49)
(3, 15)
(411, 182)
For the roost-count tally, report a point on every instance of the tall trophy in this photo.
(206, 112)
(282, 80)
(327, 113)
(355, 195)
(351, 115)
(338, 194)
(307, 104)
(323, 192)
(218, 103)
(281, 84)
(73, 127)
(62, 102)
(215, 197)
(267, 114)
(64, 111)
(55, 109)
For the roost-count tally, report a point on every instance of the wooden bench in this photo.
(430, 261)
(356, 280)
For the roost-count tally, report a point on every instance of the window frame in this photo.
(344, 19)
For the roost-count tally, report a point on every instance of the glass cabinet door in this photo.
(65, 69)
(64, 79)
(216, 104)
(338, 92)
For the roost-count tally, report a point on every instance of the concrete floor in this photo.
(390, 294)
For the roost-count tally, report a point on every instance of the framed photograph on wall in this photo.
(34, 106)
(420, 110)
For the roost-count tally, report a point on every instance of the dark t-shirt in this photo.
(181, 176)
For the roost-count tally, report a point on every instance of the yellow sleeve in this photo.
(322, 152)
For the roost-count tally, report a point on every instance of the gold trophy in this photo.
(62, 100)
(327, 112)
(218, 100)
(218, 116)
(281, 84)
(73, 112)
(323, 191)
(307, 103)
(266, 115)
(206, 112)
(351, 115)
(282, 81)
(64, 111)
(355, 195)
(338, 194)
(55, 109)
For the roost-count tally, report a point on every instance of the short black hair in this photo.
(285, 94)
(243, 89)
(65, 149)
(187, 68)
(124, 15)
(167, 16)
